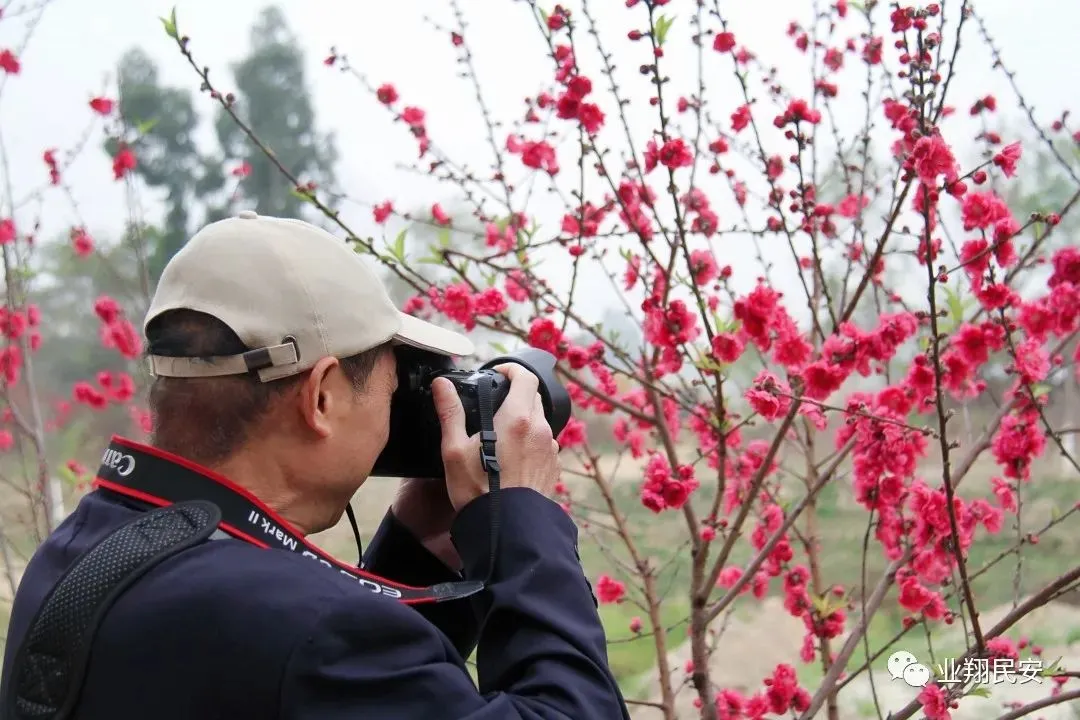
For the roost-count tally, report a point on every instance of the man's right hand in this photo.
(527, 452)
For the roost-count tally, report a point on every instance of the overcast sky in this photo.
(73, 52)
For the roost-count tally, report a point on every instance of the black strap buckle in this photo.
(488, 459)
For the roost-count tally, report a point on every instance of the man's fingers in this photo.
(451, 414)
(523, 386)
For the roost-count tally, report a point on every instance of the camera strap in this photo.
(489, 460)
(49, 669)
(157, 478)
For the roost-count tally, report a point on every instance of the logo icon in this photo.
(121, 463)
(904, 666)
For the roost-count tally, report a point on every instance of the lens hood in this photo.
(557, 404)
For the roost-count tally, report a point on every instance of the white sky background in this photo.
(73, 52)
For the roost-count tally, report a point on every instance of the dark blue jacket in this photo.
(231, 631)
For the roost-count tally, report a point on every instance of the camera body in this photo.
(415, 446)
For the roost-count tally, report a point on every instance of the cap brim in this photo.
(424, 335)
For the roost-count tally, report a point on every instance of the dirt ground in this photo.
(751, 646)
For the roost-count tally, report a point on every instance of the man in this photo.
(272, 348)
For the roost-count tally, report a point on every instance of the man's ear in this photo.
(318, 398)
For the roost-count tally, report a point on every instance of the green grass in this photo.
(628, 654)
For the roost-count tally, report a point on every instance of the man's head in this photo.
(271, 345)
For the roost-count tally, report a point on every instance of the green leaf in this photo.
(826, 604)
(144, 126)
(1052, 670)
(708, 364)
(170, 25)
(399, 246)
(981, 691)
(300, 194)
(68, 476)
(543, 15)
(444, 237)
(663, 24)
(500, 348)
(956, 308)
(722, 325)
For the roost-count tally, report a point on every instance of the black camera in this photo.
(414, 448)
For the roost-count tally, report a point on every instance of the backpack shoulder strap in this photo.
(50, 665)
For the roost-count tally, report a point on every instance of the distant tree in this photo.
(274, 100)
(169, 157)
(272, 96)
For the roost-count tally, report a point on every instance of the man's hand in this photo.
(525, 448)
(424, 507)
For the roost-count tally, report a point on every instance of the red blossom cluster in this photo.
(111, 387)
(413, 117)
(782, 695)
(116, 331)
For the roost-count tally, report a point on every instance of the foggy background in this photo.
(74, 50)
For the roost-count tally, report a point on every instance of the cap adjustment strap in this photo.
(221, 365)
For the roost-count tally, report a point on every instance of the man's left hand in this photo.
(423, 506)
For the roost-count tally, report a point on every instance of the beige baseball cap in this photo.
(292, 292)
